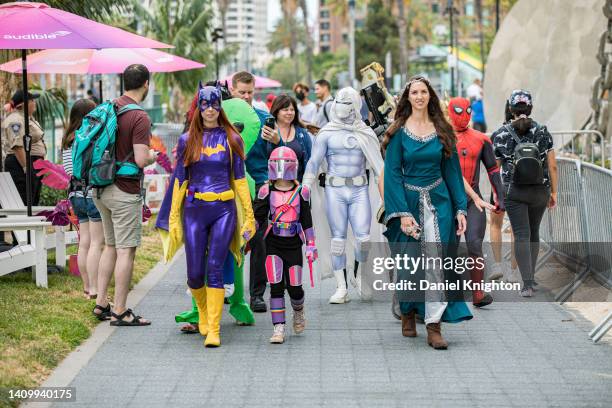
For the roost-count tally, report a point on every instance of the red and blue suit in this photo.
(474, 148)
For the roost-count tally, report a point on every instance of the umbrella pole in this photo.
(27, 139)
(120, 84)
(100, 88)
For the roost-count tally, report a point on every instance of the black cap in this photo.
(17, 97)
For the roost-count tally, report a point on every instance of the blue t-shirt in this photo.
(478, 111)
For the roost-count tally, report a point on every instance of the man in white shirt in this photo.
(323, 92)
(307, 109)
(474, 91)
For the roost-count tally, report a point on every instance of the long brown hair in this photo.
(434, 111)
(80, 108)
(193, 150)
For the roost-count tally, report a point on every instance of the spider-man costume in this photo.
(474, 147)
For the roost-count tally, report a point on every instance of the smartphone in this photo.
(270, 121)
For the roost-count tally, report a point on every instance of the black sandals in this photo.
(136, 320)
(105, 312)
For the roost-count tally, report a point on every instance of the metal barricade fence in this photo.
(567, 223)
(581, 220)
(597, 154)
(597, 190)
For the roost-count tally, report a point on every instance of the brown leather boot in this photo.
(409, 324)
(434, 337)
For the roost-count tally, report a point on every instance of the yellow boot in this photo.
(214, 298)
(199, 296)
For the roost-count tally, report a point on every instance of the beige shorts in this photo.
(121, 216)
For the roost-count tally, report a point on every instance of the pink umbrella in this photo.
(260, 82)
(38, 26)
(107, 61)
(26, 26)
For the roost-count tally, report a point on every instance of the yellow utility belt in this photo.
(210, 196)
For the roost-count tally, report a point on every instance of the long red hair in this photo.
(193, 150)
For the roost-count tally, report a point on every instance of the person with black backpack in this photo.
(324, 95)
(524, 151)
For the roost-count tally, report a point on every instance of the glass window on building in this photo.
(324, 14)
(325, 26)
(345, 37)
(325, 37)
(469, 9)
(435, 8)
(325, 48)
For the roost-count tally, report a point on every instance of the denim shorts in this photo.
(85, 209)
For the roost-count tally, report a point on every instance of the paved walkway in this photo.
(512, 354)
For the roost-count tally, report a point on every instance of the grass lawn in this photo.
(39, 327)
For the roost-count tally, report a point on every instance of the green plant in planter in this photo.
(50, 196)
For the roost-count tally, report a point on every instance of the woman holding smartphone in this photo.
(283, 128)
(425, 205)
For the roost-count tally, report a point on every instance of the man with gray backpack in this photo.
(524, 151)
(110, 150)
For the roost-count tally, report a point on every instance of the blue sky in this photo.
(274, 12)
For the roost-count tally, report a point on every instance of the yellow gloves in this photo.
(174, 240)
(242, 189)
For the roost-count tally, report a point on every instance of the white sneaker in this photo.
(511, 275)
(495, 272)
(278, 337)
(341, 294)
(229, 289)
(516, 276)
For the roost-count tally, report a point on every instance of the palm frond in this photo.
(51, 105)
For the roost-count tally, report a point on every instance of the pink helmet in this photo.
(282, 164)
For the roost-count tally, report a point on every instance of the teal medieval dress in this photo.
(421, 182)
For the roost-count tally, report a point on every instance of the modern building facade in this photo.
(246, 24)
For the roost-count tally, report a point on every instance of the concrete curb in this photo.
(68, 369)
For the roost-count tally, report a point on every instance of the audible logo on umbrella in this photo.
(50, 36)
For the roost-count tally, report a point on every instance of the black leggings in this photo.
(290, 257)
(525, 206)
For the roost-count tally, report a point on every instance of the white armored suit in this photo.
(348, 145)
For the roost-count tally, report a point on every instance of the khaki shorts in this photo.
(121, 216)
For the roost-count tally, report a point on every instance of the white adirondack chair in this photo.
(25, 255)
(13, 206)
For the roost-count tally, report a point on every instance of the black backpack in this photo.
(528, 168)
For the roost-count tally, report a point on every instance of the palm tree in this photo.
(308, 38)
(187, 25)
(223, 6)
(402, 27)
(281, 37)
(289, 8)
(480, 33)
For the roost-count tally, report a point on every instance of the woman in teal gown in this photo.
(425, 204)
